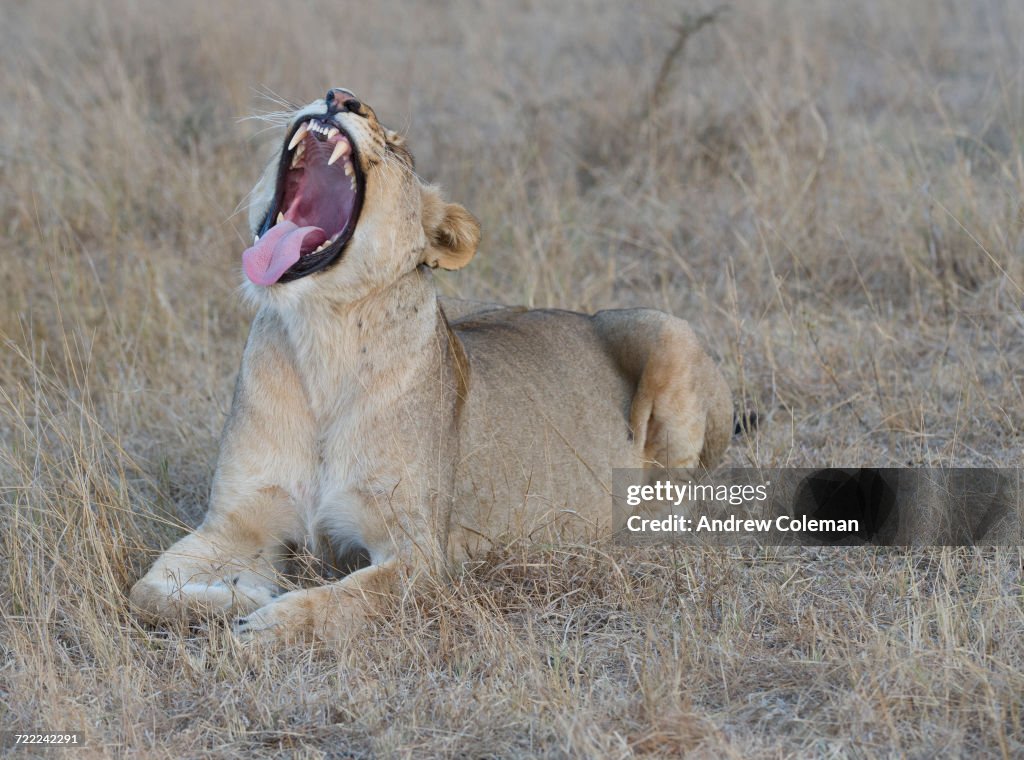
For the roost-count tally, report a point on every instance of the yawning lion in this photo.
(374, 419)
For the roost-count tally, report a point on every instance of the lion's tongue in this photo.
(281, 247)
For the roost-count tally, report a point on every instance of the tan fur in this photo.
(370, 416)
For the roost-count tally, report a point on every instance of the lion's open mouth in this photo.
(315, 208)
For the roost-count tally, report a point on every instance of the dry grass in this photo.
(831, 193)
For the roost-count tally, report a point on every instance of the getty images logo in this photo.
(867, 496)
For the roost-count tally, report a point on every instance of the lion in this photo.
(404, 432)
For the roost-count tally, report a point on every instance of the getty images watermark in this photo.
(831, 506)
(665, 491)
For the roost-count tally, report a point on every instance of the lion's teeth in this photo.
(352, 184)
(298, 154)
(256, 240)
(322, 246)
(349, 170)
(299, 134)
(280, 217)
(339, 150)
(332, 132)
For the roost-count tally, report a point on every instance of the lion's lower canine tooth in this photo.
(299, 134)
(339, 150)
(280, 217)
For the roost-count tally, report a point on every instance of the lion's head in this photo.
(339, 212)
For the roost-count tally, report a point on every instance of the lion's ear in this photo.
(452, 232)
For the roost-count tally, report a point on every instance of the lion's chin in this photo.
(315, 208)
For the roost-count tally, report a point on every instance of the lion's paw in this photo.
(284, 618)
(170, 599)
(306, 615)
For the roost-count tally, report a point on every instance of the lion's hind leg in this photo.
(681, 413)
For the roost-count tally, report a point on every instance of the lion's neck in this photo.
(374, 347)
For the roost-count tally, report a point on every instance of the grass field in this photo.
(830, 192)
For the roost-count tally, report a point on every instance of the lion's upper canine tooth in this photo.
(340, 149)
(299, 134)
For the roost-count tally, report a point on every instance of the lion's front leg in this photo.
(203, 574)
(228, 565)
(409, 546)
(325, 613)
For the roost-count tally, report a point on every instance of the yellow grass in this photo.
(829, 191)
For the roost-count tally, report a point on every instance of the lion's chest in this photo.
(355, 465)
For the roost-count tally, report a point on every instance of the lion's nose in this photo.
(340, 99)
